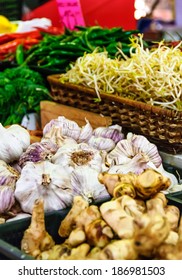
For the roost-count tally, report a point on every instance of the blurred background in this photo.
(155, 18)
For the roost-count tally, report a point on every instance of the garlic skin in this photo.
(71, 156)
(133, 145)
(66, 127)
(113, 132)
(62, 128)
(38, 151)
(13, 142)
(21, 134)
(7, 198)
(8, 175)
(56, 137)
(46, 180)
(136, 165)
(85, 183)
(101, 143)
(85, 133)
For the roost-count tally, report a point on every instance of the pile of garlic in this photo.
(67, 162)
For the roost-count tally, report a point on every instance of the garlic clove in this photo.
(101, 143)
(113, 132)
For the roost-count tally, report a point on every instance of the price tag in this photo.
(71, 13)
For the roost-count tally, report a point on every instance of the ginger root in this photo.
(145, 185)
(150, 182)
(119, 215)
(98, 233)
(68, 223)
(76, 237)
(36, 239)
(85, 226)
(119, 250)
(171, 251)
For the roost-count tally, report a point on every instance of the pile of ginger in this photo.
(126, 227)
(120, 229)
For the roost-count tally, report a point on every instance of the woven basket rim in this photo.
(54, 78)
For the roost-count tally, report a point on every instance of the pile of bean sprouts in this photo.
(150, 75)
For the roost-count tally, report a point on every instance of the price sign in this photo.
(71, 13)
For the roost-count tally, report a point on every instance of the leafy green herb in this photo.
(21, 90)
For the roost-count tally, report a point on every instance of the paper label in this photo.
(71, 13)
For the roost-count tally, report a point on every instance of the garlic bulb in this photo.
(47, 180)
(13, 142)
(113, 132)
(71, 156)
(84, 181)
(132, 146)
(7, 198)
(38, 151)
(8, 175)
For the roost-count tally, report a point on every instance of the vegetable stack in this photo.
(56, 52)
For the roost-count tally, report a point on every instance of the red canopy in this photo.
(106, 13)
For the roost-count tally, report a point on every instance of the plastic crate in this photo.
(174, 170)
(175, 199)
(11, 234)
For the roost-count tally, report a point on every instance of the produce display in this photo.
(53, 49)
(123, 228)
(150, 75)
(70, 161)
(112, 184)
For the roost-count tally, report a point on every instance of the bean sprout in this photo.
(153, 76)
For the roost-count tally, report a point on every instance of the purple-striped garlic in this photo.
(38, 151)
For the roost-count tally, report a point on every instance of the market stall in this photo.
(91, 176)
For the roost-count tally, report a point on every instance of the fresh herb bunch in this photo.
(21, 90)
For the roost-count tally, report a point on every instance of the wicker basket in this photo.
(162, 127)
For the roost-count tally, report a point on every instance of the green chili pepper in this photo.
(67, 54)
(19, 54)
(55, 62)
